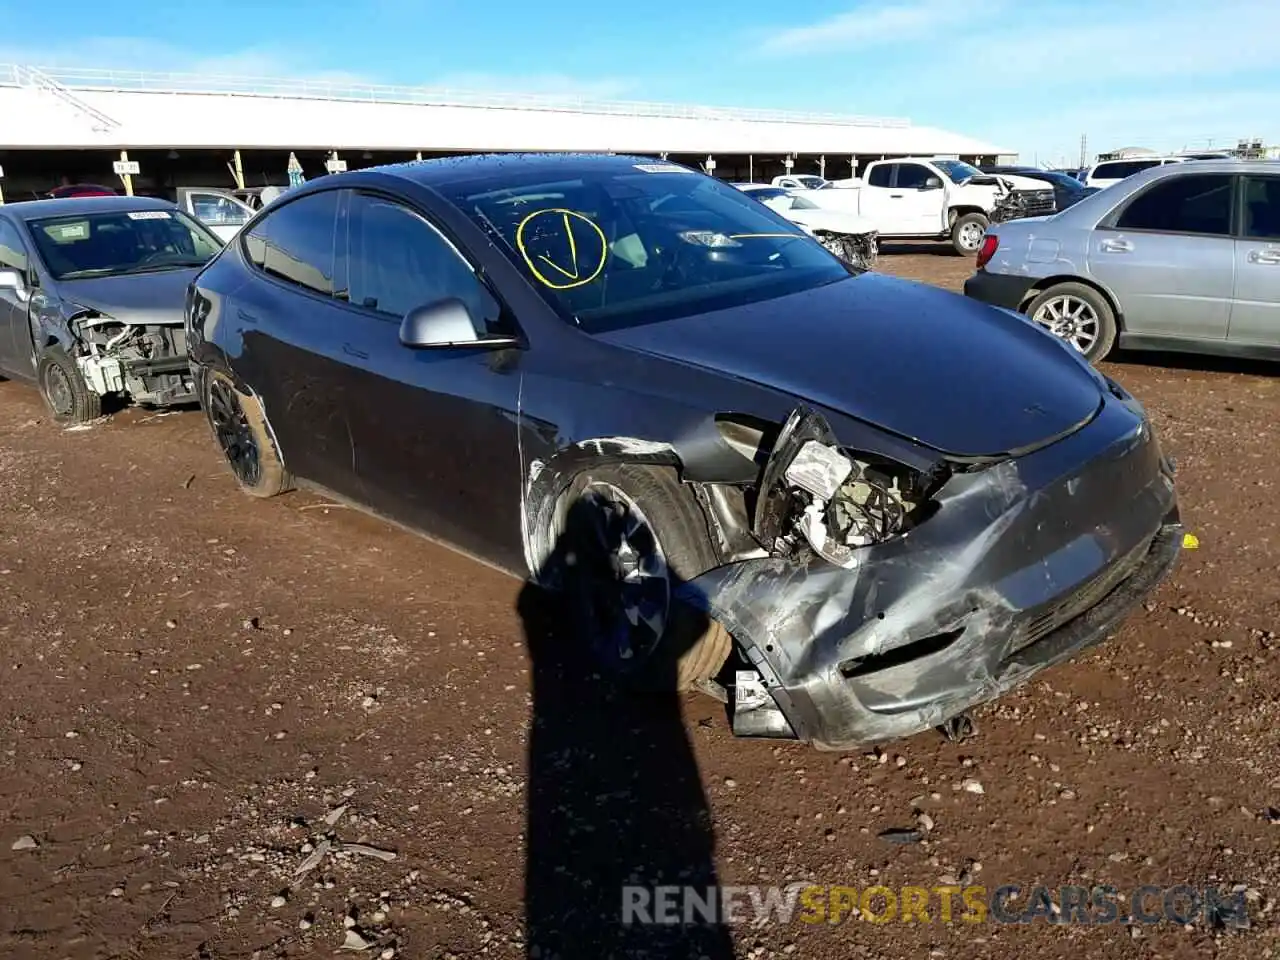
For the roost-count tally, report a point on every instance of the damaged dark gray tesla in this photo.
(887, 503)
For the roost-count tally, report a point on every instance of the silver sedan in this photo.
(1180, 257)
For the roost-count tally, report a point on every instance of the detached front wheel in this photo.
(64, 390)
(629, 535)
(240, 430)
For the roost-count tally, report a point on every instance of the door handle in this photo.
(895, 196)
(1271, 257)
(246, 317)
(1116, 246)
(351, 351)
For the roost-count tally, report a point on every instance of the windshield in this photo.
(121, 242)
(813, 183)
(957, 170)
(619, 246)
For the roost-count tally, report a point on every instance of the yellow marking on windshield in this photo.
(583, 267)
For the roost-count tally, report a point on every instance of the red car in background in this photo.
(80, 190)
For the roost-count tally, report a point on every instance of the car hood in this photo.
(1016, 182)
(948, 372)
(144, 298)
(835, 221)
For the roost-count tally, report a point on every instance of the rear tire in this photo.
(627, 535)
(1067, 308)
(63, 388)
(967, 233)
(239, 427)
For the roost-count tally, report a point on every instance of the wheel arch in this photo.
(1047, 283)
(964, 209)
(547, 482)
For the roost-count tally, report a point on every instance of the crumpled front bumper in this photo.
(1024, 564)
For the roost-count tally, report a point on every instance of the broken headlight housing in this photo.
(841, 503)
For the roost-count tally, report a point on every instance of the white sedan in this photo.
(850, 236)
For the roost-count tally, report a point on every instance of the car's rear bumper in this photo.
(1025, 564)
(998, 289)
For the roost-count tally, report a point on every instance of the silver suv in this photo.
(1179, 257)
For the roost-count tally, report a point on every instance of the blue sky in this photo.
(1031, 75)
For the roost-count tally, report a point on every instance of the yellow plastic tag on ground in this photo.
(1190, 541)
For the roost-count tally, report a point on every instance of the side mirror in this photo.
(447, 323)
(14, 280)
(932, 183)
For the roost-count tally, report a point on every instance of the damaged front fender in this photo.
(1021, 565)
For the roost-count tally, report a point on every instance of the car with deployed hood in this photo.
(848, 505)
(91, 297)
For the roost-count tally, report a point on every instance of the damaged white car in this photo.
(851, 237)
(91, 299)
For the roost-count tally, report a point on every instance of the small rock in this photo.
(387, 953)
(26, 842)
(730, 782)
(306, 923)
(971, 785)
(117, 891)
(925, 821)
(1067, 794)
(278, 901)
(354, 942)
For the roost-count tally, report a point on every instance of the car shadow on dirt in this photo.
(1208, 363)
(615, 806)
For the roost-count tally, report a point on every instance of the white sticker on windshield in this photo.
(661, 168)
(149, 215)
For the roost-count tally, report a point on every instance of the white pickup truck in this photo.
(931, 198)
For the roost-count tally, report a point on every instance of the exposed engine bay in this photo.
(1023, 203)
(858, 250)
(146, 362)
(839, 504)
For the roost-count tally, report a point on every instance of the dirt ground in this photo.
(204, 693)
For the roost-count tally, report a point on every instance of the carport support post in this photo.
(822, 166)
(237, 171)
(418, 155)
(751, 168)
(128, 180)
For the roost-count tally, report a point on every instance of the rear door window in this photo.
(880, 176)
(295, 243)
(1262, 208)
(1196, 203)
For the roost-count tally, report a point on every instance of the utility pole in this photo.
(1084, 149)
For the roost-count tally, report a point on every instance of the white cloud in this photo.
(870, 25)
